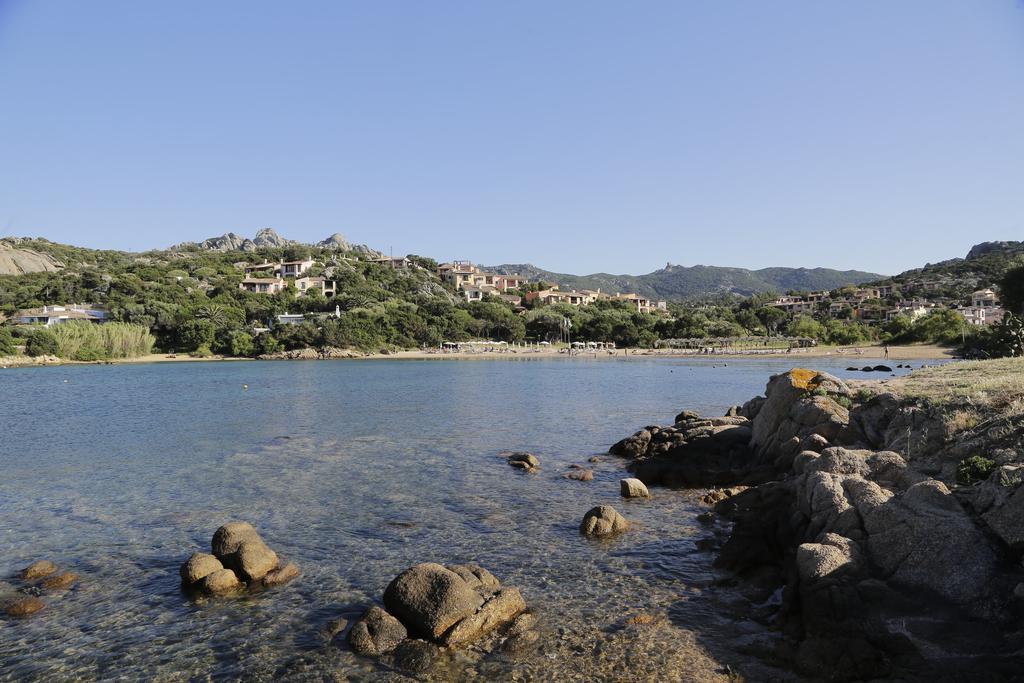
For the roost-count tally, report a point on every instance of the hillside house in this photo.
(56, 315)
(316, 283)
(294, 268)
(263, 285)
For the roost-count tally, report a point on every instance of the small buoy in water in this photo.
(245, 386)
(65, 381)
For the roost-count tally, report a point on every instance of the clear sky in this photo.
(580, 136)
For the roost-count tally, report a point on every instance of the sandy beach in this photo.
(920, 352)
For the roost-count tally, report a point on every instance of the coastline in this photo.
(916, 352)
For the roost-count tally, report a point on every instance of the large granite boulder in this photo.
(430, 599)
(454, 605)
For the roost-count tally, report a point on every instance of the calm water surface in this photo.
(357, 470)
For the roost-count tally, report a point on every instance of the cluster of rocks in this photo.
(429, 607)
(240, 560)
(883, 568)
(37, 579)
(695, 451)
(872, 368)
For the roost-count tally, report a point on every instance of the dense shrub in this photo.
(41, 342)
(974, 469)
(6, 342)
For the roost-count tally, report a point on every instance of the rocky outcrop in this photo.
(881, 569)
(431, 605)
(240, 559)
(18, 260)
(335, 241)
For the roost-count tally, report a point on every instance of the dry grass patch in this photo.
(989, 384)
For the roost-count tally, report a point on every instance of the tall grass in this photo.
(82, 340)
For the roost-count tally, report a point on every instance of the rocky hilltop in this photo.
(268, 238)
(879, 527)
(19, 260)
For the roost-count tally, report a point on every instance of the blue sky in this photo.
(580, 136)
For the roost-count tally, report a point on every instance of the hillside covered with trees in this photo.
(187, 299)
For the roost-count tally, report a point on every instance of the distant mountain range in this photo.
(687, 282)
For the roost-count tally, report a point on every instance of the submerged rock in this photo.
(281, 575)
(37, 570)
(58, 581)
(23, 607)
(603, 520)
(580, 475)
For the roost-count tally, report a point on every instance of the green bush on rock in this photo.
(974, 469)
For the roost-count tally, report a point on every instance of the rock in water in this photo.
(580, 475)
(416, 656)
(23, 607)
(229, 537)
(281, 575)
(253, 560)
(221, 582)
(500, 608)
(198, 567)
(59, 582)
(37, 570)
(526, 461)
(603, 520)
(430, 599)
(633, 488)
(375, 633)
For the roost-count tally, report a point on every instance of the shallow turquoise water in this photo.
(354, 470)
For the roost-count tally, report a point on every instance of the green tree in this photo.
(193, 334)
(41, 342)
(1011, 290)
(6, 342)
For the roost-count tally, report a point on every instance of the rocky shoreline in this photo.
(846, 528)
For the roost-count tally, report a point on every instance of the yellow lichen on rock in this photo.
(804, 379)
